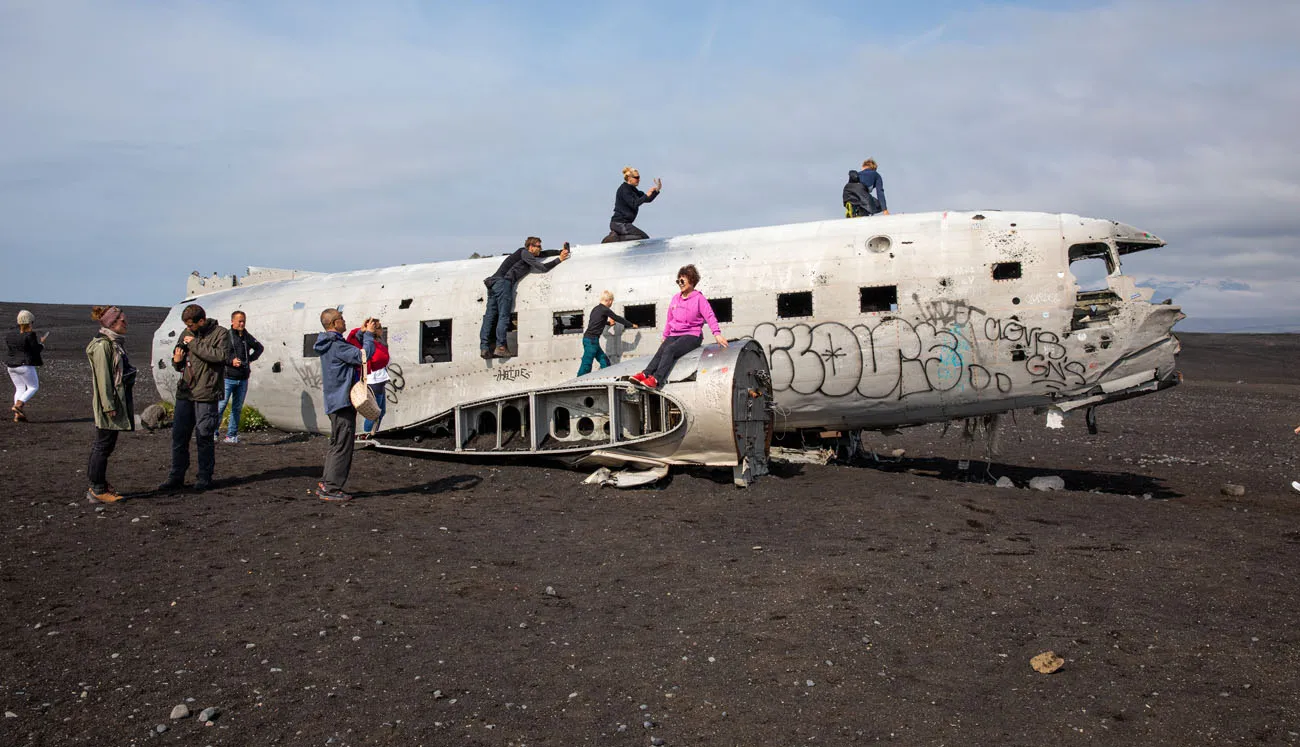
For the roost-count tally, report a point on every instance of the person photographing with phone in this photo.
(340, 364)
(627, 202)
(501, 294)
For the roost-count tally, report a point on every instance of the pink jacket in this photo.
(687, 316)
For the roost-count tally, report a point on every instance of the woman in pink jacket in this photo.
(688, 312)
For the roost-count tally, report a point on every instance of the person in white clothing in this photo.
(23, 356)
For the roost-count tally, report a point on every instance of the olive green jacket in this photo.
(108, 396)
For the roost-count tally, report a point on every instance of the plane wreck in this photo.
(845, 325)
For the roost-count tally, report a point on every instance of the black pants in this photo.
(198, 419)
(100, 451)
(626, 232)
(672, 348)
(338, 460)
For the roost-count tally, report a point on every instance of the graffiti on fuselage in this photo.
(895, 358)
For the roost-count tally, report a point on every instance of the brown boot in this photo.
(19, 417)
(108, 496)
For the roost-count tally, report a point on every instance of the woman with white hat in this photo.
(22, 359)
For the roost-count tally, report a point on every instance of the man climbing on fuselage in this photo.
(501, 294)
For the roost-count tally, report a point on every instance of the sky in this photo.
(142, 139)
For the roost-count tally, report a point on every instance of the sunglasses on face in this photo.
(681, 282)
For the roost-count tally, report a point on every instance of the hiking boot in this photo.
(651, 382)
(485, 354)
(337, 496)
(203, 483)
(502, 352)
(231, 439)
(171, 484)
(108, 496)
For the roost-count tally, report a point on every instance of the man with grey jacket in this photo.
(339, 364)
(200, 356)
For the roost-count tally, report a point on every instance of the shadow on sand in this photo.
(981, 472)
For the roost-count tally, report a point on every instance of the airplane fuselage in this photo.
(866, 323)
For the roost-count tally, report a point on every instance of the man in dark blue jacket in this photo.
(339, 361)
(244, 349)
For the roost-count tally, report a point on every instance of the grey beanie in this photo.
(26, 317)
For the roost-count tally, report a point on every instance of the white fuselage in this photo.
(962, 314)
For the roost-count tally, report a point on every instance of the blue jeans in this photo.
(496, 317)
(591, 352)
(236, 390)
(367, 423)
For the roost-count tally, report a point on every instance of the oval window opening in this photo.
(878, 244)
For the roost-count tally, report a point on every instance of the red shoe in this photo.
(651, 382)
(639, 377)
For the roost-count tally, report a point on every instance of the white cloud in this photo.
(192, 135)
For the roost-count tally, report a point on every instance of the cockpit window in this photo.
(1091, 264)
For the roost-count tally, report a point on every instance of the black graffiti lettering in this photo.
(900, 358)
(396, 383)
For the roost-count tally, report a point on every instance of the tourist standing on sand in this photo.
(339, 362)
(23, 357)
(376, 371)
(112, 381)
(200, 356)
(1296, 483)
(244, 349)
(627, 201)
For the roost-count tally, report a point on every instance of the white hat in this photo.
(26, 317)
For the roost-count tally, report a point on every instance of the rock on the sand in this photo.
(208, 714)
(1006, 482)
(1047, 482)
(154, 417)
(180, 711)
(1235, 491)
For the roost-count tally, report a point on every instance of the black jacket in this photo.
(518, 264)
(858, 197)
(627, 201)
(596, 322)
(247, 349)
(24, 349)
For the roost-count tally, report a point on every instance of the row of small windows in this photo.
(435, 334)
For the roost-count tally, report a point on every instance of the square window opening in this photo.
(566, 323)
(790, 305)
(1006, 271)
(878, 298)
(435, 341)
(406, 303)
(721, 309)
(309, 345)
(642, 315)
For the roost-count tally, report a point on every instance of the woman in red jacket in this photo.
(376, 371)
